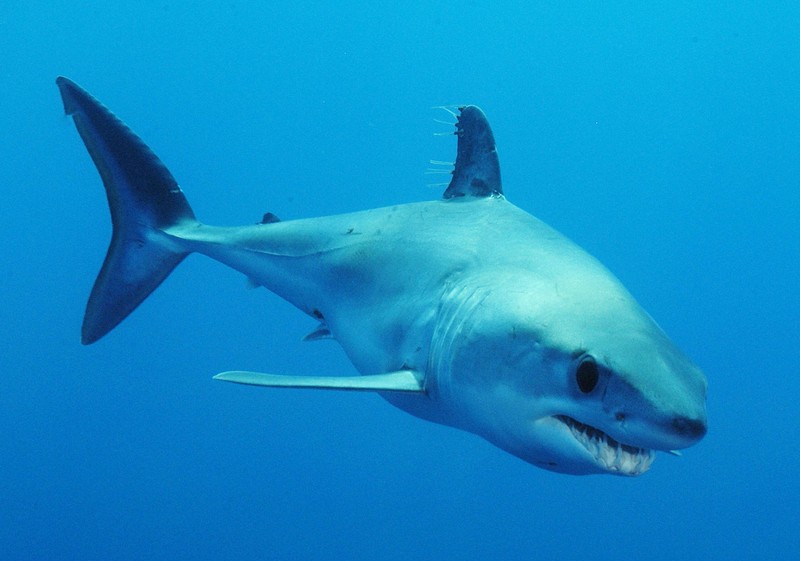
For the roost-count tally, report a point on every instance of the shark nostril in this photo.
(689, 427)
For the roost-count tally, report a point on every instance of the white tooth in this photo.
(641, 465)
(648, 461)
(627, 463)
(638, 462)
(608, 455)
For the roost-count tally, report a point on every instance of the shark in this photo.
(465, 311)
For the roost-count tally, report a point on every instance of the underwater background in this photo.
(662, 137)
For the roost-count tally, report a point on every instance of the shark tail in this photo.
(144, 200)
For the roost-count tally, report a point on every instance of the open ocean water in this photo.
(662, 137)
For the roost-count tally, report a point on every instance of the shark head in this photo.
(569, 373)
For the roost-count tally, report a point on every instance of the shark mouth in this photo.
(612, 455)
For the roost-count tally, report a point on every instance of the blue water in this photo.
(665, 140)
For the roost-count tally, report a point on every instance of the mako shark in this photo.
(465, 311)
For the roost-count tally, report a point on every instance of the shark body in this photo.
(465, 311)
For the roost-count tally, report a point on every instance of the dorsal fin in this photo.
(477, 169)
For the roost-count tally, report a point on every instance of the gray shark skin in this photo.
(465, 311)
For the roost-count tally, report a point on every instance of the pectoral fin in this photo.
(400, 381)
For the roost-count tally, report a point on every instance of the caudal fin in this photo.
(144, 199)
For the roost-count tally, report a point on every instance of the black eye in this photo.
(587, 375)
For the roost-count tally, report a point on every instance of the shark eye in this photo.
(587, 374)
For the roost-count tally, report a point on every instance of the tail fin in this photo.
(143, 198)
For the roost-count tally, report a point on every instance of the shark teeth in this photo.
(612, 455)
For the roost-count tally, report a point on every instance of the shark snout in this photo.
(675, 430)
(654, 422)
(689, 428)
(659, 430)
